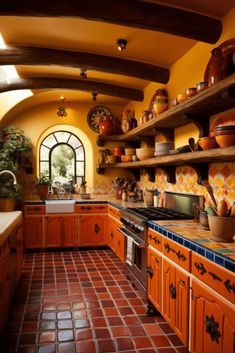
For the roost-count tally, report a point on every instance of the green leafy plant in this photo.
(10, 190)
(43, 179)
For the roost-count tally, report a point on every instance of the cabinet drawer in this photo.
(114, 212)
(88, 208)
(179, 254)
(155, 239)
(34, 209)
(216, 277)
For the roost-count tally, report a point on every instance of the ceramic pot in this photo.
(7, 205)
(218, 67)
(106, 127)
(102, 156)
(222, 228)
(43, 191)
(127, 120)
(160, 104)
(146, 116)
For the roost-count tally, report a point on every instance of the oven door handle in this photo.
(141, 245)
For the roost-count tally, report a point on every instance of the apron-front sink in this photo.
(60, 206)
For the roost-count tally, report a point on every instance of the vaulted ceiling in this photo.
(51, 43)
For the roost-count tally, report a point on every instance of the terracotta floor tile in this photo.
(160, 341)
(82, 323)
(67, 348)
(153, 329)
(26, 349)
(142, 342)
(131, 320)
(124, 343)
(106, 345)
(30, 327)
(85, 347)
(64, 315)
(47, 337)
(48, 316)
(114, 321)
(63, 324)
(99, 322)
(101, 333)
(83, 334)
(119, 331)
(49, 307)
(176, 342)
(50, 348)
(181, 350)
(111, 312)
(28, 338)
(79, 314)
(166, 350)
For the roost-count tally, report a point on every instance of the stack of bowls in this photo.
(163, 148)
(145, 153)
(225, 135)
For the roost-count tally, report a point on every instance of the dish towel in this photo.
(129, 254)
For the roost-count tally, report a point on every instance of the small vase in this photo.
(106, 127)
(218, 67)
(160, 104)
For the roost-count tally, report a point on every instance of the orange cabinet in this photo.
(4, 284)
(92, 230)
(176, 299)
(154, 270)
(33, 232)
(19, 252)
(212, 322)
(116, 240)
(60, 231)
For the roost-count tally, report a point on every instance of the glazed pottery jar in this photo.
(218, 66)
(146, 116)
(106, 127)
(160, 104)
(127, 120)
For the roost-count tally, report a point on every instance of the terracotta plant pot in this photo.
(7, 205)
(42, 191)
(222, 228)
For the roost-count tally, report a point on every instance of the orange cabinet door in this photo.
(52, 232)
(111, 234)
(33, 232)
(120, 241)
(4, 285)
(176, 300)
(68, 231)
(154, 278)
(19, 252)
(212, 322)
(93, 230)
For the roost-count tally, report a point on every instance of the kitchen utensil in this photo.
(191, 143)
(222, 208)
(210, 192)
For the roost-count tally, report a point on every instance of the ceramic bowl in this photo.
(200, 86)
(225, 139)
(190, 91)
(129, 151)
(181, 97)
(163, 148)
(145, 153)
(222, 228)
(206, 143)
(126, 158)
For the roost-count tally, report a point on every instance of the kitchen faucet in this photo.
(13, 175)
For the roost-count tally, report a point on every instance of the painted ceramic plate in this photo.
(95, 117)
(228, 49)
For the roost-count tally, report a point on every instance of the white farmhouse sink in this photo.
(60, 206)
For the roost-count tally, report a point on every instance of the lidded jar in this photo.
(218, 66)
(161, 101)
(106, 127)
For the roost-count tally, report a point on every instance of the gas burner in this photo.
(157, 213)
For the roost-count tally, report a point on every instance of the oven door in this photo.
(136, 259)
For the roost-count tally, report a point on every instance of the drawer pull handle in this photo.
(212, 328)
(86, 208)
(156, 240)
(172, 291)
(111, 234)
(230, 287)
(97, 228)
(150, 271)
(200, 267)
(180, 255)
(182, 282)
(214, 276)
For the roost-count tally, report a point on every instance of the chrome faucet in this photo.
(12, 174)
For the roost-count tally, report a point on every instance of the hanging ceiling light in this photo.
(94, 95)
(62, 110)
(83, 73)
(121, 44)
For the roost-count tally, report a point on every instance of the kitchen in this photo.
(44, 105)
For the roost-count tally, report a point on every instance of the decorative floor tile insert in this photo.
(81, 302)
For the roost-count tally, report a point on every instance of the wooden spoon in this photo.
(210, 192)
(191, 143)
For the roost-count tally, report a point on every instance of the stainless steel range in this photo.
(135, 227)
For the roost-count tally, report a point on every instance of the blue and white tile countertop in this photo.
(194, 237)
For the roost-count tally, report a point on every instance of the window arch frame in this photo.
(76, 177)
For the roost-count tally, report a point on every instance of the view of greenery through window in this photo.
(62, 157)
(62, 164)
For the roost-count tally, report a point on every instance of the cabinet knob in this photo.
(172, 291)
(97, 228)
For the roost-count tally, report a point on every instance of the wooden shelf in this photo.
(216, 99)
(198, 160)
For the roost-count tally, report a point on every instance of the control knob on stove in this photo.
(139, 229)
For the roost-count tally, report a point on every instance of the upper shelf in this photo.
(213, 100)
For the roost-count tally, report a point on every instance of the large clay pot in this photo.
(218, 67)
(7, 205)
(43, 191)
(127, 120)
(106, 127)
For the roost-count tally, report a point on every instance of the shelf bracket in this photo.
(202, 125)
(135, 172)
(151, 174)
(170, 173)
(99, 141)
(100, 170)
(202, 171)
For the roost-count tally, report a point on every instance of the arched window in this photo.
(62, 157)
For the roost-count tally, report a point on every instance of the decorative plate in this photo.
(228, 49)
(95, 117)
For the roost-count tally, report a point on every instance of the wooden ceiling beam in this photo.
(131, 13)
(27, 55)
(71, 84)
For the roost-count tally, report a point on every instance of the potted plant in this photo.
(43, 182)
(9, 193)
